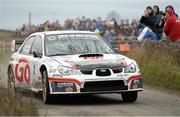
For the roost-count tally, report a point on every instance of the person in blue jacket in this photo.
(146, 33)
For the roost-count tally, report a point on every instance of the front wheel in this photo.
(130, 96)
(45, 87)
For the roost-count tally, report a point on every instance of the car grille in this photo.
(104, 86)
(99, 73)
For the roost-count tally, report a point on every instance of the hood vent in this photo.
(90, 55)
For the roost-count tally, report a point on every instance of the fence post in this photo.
(0, 45)
(3, 45)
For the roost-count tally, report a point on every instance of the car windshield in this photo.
(70, 44)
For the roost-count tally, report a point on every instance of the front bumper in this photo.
(75, 86)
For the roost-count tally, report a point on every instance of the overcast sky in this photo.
(14, 13)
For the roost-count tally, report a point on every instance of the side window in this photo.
(27, 46)
(37, 45)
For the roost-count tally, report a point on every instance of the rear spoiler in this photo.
(15, 45)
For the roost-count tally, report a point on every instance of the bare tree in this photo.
(113, 14)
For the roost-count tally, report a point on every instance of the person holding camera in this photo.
(148, 19)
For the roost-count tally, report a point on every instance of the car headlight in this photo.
(68, 71)
(131, 68)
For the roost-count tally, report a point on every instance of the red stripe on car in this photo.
(134, 77)
(23, 60)
(65, 80)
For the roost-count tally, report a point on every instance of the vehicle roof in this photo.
(63, 32)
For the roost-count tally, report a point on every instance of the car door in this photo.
(35, 61)
(22, 67)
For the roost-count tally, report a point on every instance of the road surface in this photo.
(150, 103)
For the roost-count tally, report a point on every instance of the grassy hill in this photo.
(7, 35)
(159, 64)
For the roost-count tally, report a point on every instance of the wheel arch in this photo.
(42, 68)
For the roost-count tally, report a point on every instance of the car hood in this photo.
(112, 61)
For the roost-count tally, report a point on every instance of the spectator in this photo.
(172, 26)
(172, 8)
(158, 28)
(124, 47)
(146, 33)
(148, 19)
(46, 26)
(108, 36)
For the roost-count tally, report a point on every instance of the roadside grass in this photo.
(4, 34)
(159, 64)
(13, 105)
(4, 56)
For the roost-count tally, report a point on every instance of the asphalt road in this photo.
(150, 103)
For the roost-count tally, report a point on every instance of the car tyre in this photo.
(11, 81)
(45, 87)
(130, 96)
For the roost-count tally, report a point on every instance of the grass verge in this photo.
(14, 105)
(5, 56)
(159, 64)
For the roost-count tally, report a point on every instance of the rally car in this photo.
(72, 62)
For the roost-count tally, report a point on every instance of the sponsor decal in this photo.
(52, 70)
(57, 75)
(22, 70)
(59, 79)
(69, 89)
(76, 36)
(63, 86)
(72, 36)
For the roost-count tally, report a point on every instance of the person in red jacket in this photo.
(172, 25)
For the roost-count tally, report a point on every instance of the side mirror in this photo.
(13, 46)
(37, 54)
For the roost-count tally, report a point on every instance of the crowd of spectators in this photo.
(153, 24)
(113, 31)
(108, 29)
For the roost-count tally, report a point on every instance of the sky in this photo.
(14, 13)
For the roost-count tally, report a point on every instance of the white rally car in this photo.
(72, 62)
